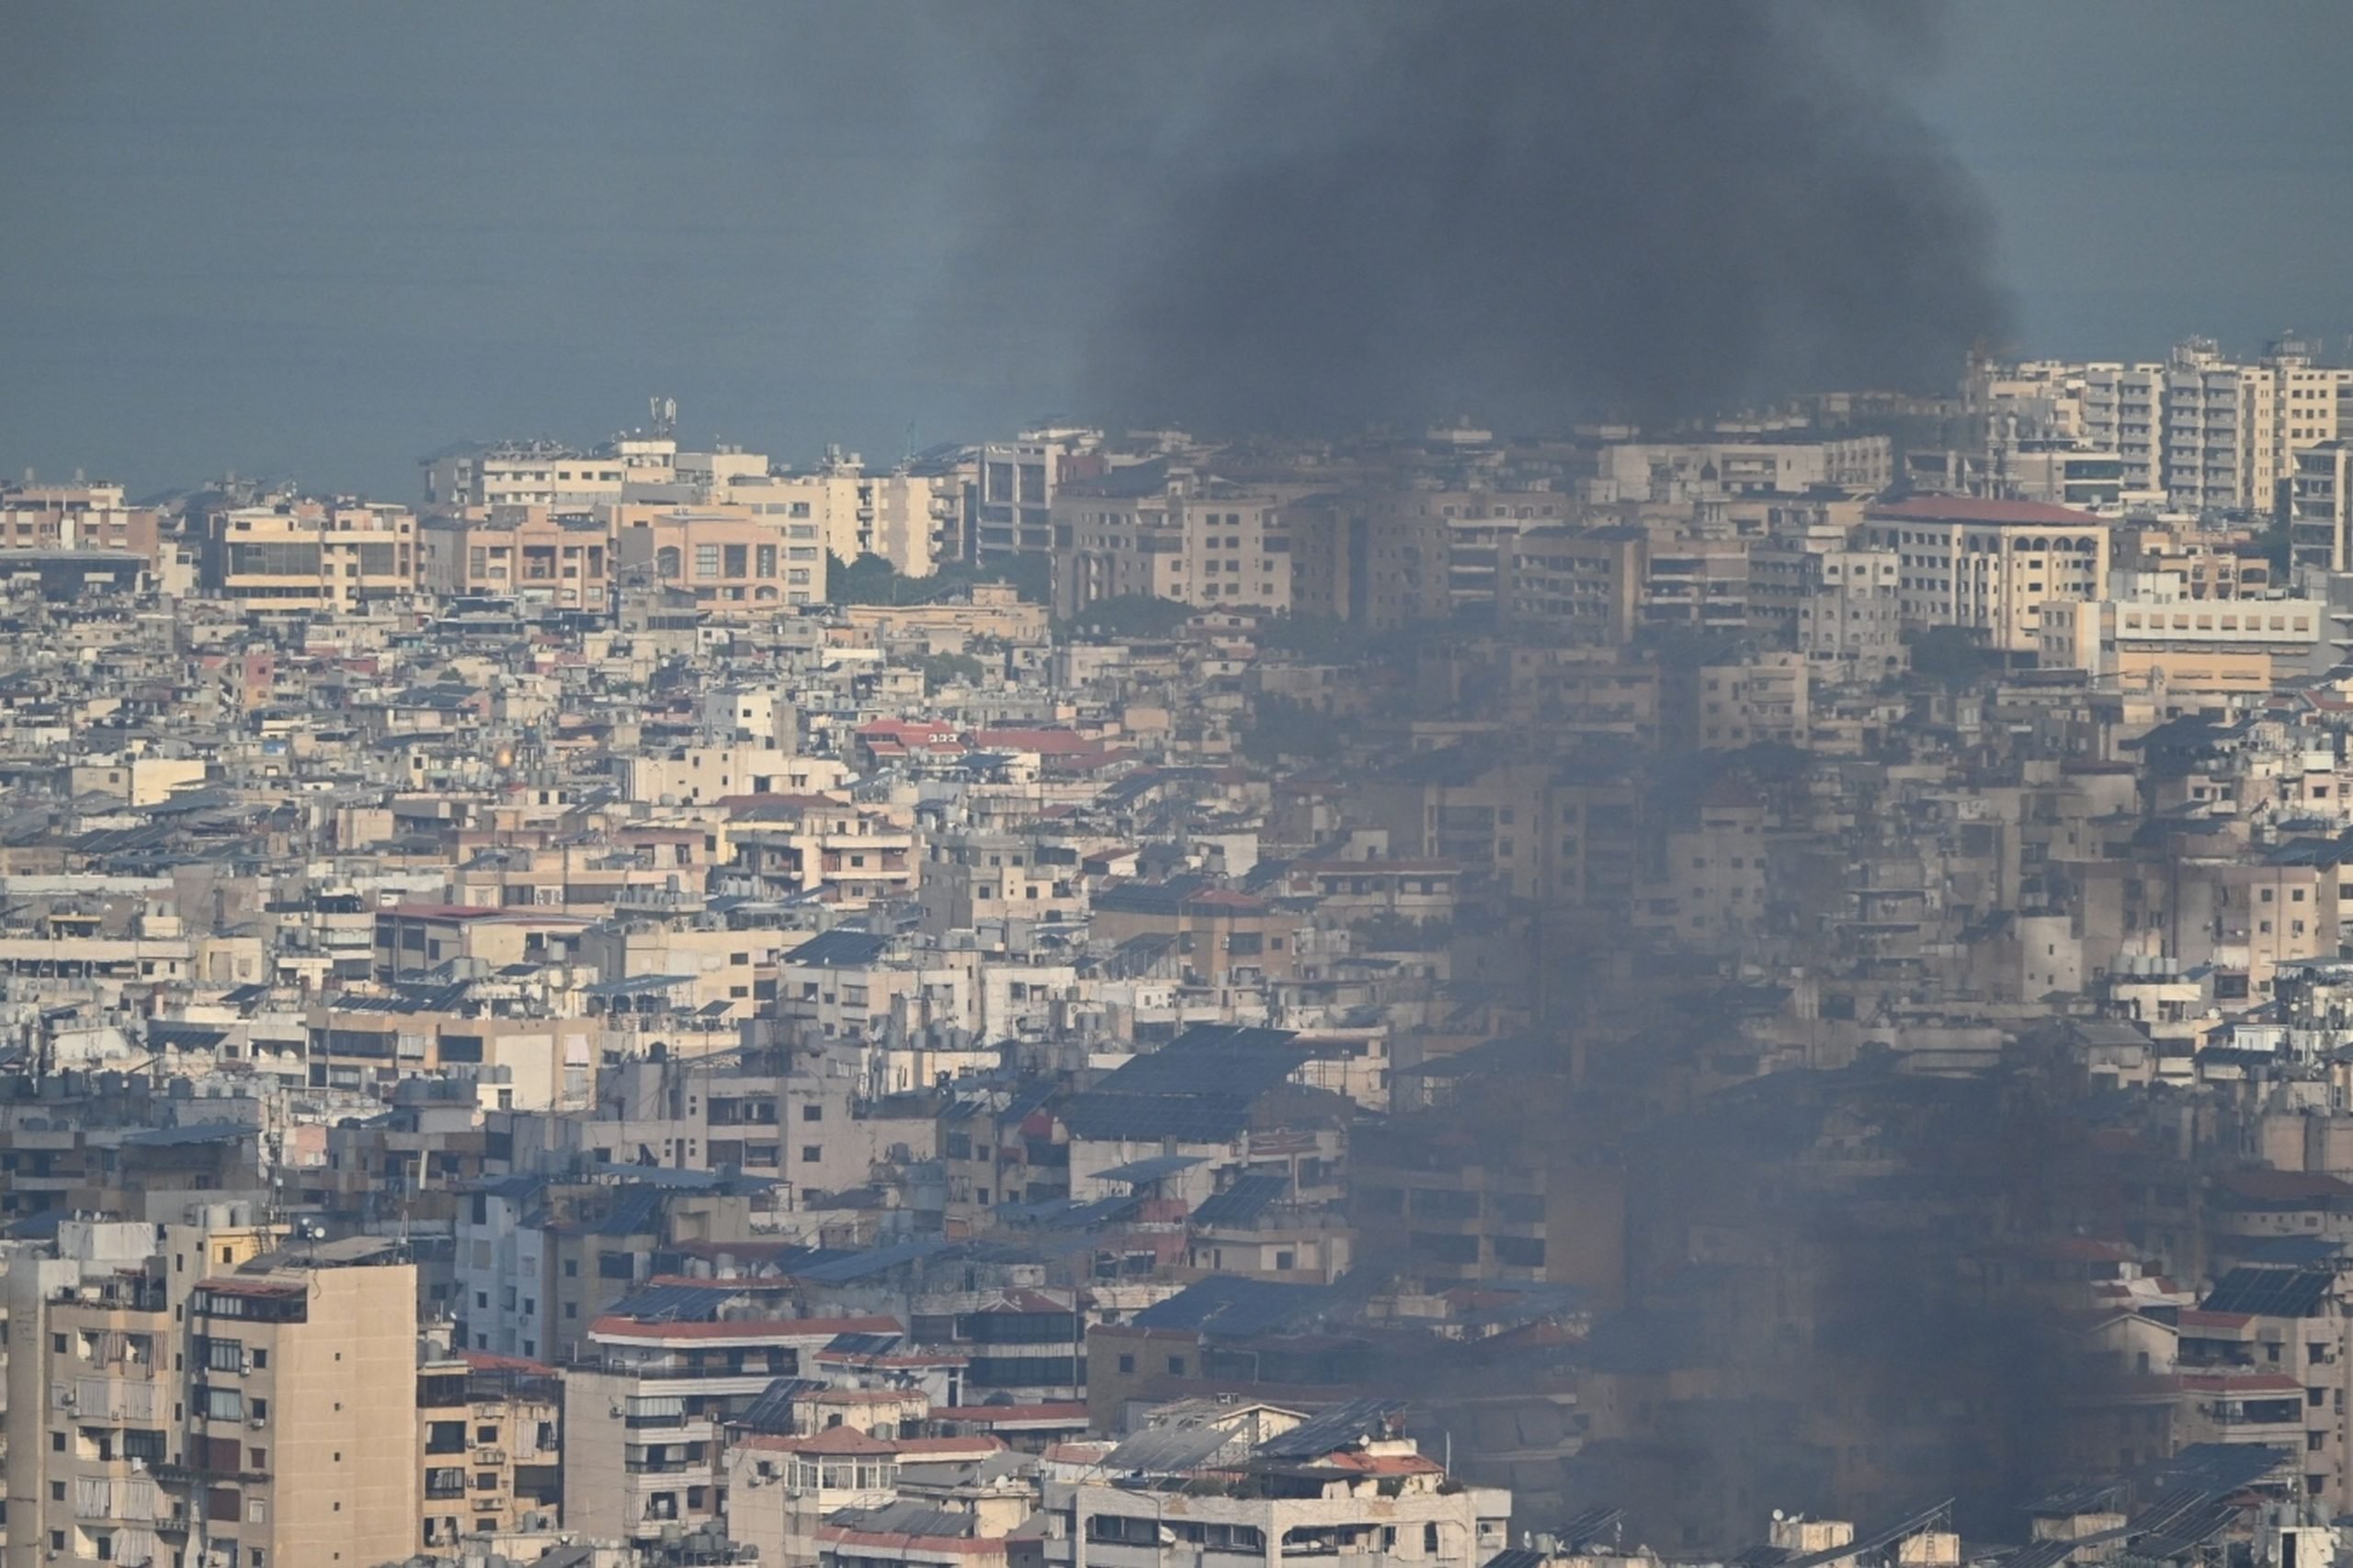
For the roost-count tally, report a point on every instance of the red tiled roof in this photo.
(2242, 1382)
(949, 1448)
(1040, 740)
(2197, 1317)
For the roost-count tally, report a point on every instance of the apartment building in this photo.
(2159, 636)
(1147, 530)
(539, 557)
(1456, 1214)
(77, 517)
(1369, 1496)
(2262, 1360)
(1218, 934)
(912, 520)
(1849, 613)
(536, 473)
(1579, 587)
(309, 557)
(1763, 700)
(646, 1406)
(223, 1399)
(2205, 432)
(1009, 511)
(1988, 566)
(1696, 581)
(488, 1445)
(1661, 471)
(978, 880)
(727, 559)
(2320, 507)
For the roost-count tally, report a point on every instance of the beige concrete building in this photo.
(2205, 432)
(1661, 471)
(1009, 511)
(308, 557)
(2320, 507)
(2160, 637)
(1147, 532)
(647, 1408)
(1849, 614)
(992, 610)
(488, 1445)
(78, 516)
(538, 474)
(212, 1401)
(1383, 1503)
(911, 520)
(529, 553)
(730, 559)
(1986, 566)
(1578, 586)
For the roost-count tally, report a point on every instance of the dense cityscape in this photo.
(1766, 993)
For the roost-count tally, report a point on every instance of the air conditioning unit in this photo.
(258, 1423)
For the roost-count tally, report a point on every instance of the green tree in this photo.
(946, 669)
(1132, 615)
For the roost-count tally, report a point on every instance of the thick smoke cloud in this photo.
(1309, 216)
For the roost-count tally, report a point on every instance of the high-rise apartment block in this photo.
(1147, 530)
(209, 1394)
(1010, 510)
(2198, 431)
(1988, 566)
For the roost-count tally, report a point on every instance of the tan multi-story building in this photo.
(1849, 614)
(2162, 637)
(1146, 533)
(1764, 700)
(1375, 1499)
(1223, 937)
(732, 560)
(1009, 510)
(1988, 567)
(212, 1401)
(1387, 558)
(911, 520)
(2207, 433)
(488, 1447)
(299, 557)
(2320, 507)
(529, 553)
(1790, 464)
(78, 516)
(1579, 587)
(646, 1406)
(541, 473)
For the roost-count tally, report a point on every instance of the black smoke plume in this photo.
(1306, 216)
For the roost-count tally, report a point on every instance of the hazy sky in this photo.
(326, 239)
